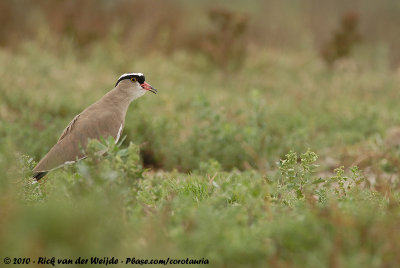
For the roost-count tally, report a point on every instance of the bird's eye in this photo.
(133, 79)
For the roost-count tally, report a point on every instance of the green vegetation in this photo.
(273, 160)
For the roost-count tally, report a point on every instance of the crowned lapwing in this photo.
(104, 118)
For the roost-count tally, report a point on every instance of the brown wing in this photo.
(75, 137)
(69, 128)
(62, 151)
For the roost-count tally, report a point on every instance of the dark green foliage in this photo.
(109, 205)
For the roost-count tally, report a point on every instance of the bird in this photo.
(102, 119)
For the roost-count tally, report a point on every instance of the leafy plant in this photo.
(346, 183)
(298, 175)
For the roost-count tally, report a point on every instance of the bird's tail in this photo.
(39, 175)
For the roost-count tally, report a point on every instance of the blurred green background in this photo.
(212, 171)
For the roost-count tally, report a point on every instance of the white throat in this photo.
(138, 93)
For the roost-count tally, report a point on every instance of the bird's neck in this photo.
(118, 99)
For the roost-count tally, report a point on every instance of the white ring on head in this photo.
(128, 74)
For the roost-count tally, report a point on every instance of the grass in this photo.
(212, 171)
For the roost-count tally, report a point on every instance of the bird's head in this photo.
(135, 83)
